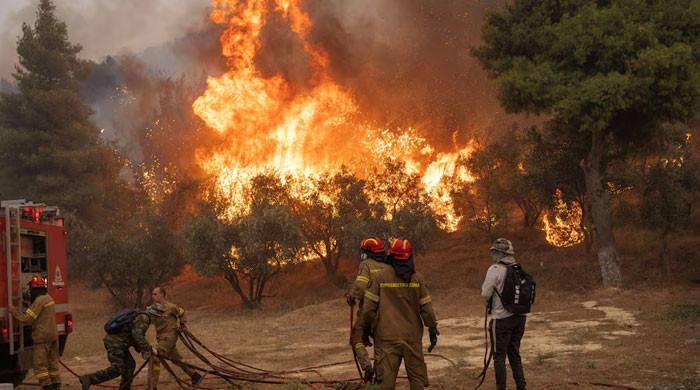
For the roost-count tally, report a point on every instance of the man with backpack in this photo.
(397, 305)
(125, 330)
(508, 292)
(42, 315)
(373, 261)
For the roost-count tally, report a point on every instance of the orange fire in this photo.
(562, 226)
(266, 124)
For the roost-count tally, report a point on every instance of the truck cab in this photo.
(33, 244)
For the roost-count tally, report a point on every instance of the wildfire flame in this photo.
(562, 226)
(267, 124)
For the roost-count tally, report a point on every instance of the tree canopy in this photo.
(607, 74)
(50, 149)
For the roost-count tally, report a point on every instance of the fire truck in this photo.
(33, 243)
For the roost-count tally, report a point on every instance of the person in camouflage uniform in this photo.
(373, 261)
(132, 334)
(42, 315)
(397, 304)
(170, 320)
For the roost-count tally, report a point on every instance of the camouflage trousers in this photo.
(356, 342)
(167, 348)
(388, 361)
(121, 364)
(45, 363)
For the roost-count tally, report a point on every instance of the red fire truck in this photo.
(33, 243)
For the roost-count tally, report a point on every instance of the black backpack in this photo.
(518, 293)
(122, 318)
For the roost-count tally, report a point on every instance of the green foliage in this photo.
(597, 65)
(138, 251)
(669, 187)
(400, 207)
(50, 150)
(248, 249)
(337, 215)
(483, 203)
(606, 74)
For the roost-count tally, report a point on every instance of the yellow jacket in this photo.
(365, 273)
(398, 308)
(42, 315)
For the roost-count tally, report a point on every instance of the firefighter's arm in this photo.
(32, 312)
(427, 313)
(180, 314)
(370, 305)
(360, 284)
(138, 332)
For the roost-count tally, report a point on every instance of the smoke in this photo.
(407, 62)
(105, 27)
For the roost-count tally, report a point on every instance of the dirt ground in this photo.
(628, 337)
(646, 336)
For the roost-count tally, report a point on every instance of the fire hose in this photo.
(231, 370)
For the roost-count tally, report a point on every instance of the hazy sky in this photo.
(103, 26)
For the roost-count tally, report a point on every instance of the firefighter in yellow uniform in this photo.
(373, 261)
(397, 305)
(42, 315)
(167, 324)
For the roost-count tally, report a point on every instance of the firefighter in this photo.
(42, 315)
(172, 318)
(373, 261)
(117, 344)
(399, 302)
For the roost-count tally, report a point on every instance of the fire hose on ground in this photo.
(232, 371)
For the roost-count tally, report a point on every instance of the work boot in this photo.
(196, 378)
(369, 374)
(85, 381)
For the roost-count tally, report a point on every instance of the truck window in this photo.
(34, 255)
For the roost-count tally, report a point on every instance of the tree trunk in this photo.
(600, 212)
(233, 281)
(585, 224)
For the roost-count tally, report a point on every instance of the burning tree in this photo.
(251, 248)
(336, 213)
(606, 74)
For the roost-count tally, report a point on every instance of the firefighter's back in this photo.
(398, 315)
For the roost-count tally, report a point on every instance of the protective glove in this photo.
(366, 334)
(434, 333)
(350, 300)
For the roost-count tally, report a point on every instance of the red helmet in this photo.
(37, 282)
(372, 244)
(400, 249)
